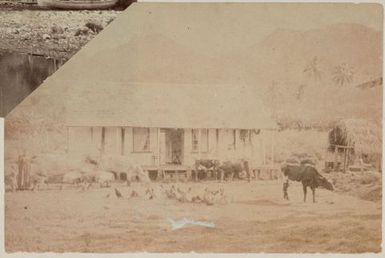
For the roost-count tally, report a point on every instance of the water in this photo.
(20, 75)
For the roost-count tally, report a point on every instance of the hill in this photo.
(280, 67)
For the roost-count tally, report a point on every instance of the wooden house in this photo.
(168, 126)
(143, 97)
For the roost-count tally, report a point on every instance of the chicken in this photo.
(118, 194)
(150, 193)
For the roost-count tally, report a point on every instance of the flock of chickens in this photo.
(189, 195)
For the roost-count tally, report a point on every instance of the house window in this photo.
(232, 139)
(141, 139)
(122, 136)
(103, 139)
(203, 142)
(245, 136)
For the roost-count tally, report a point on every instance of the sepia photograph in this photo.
(37, 37)
(192, 127)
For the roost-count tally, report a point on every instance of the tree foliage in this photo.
(343, 74)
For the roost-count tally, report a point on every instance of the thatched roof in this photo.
(363, 136)
(124, 79)
(165, 105)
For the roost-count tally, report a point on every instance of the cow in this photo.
(105, 179)
(124, 169)
(37, 181)
(72, 177)
(205, 166)
(231, 169)
(308, 176)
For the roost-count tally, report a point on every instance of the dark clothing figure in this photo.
(285, 187)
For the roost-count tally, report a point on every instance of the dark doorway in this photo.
(173, 146)
(123, 176)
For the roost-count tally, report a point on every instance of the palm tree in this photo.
(312, 70)
(343, 74)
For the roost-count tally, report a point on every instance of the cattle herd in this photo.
(205, 169)
(227, 170)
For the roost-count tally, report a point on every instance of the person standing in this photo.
(285, 187)
(24, 166)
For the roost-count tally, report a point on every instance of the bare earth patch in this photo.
(256, 220)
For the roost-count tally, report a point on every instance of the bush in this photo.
(369, 179)
(94, 27)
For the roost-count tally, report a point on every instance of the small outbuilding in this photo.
(355, 144)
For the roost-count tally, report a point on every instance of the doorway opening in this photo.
(172, 146)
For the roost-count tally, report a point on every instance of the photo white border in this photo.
(189, 255)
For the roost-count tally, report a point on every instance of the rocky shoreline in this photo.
(50, 33)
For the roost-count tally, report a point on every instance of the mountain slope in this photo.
(284, 54)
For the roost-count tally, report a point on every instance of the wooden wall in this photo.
(86, 140)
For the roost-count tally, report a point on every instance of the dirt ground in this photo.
(256, 219)
(55, 34)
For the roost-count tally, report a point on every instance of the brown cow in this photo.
(229, 169)
(204, 167)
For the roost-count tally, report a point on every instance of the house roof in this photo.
(165, 105)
